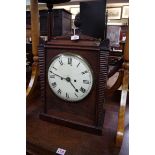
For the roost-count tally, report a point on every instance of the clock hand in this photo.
(69, 80)
(73, 86)
(58, 75)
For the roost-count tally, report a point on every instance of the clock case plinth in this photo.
(87, 114)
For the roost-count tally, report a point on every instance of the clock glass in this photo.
(70, 77)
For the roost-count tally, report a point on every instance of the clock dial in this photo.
(70, 77)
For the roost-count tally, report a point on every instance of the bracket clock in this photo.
(73, 76)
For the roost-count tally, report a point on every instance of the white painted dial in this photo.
(70, 77)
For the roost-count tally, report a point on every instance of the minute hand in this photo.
(58, 75)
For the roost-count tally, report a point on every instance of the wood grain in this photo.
(121, 114)
(32, 82)
(117, 84)
(35, 43)
(125, 85)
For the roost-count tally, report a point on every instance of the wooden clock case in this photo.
(87, 114)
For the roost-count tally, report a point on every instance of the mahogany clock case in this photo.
(87, 114)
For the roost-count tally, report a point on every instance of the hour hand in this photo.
(58, 75)
(73, 86)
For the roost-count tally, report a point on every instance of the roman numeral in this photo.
(54, 84)
(85, 81)
(78, 64)
(84, 72)
(82, 90)
(59, 91)
(55, 68)
(76, 95)
(70, 61)
(67, 96)
(60, 61)
(52, 76)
